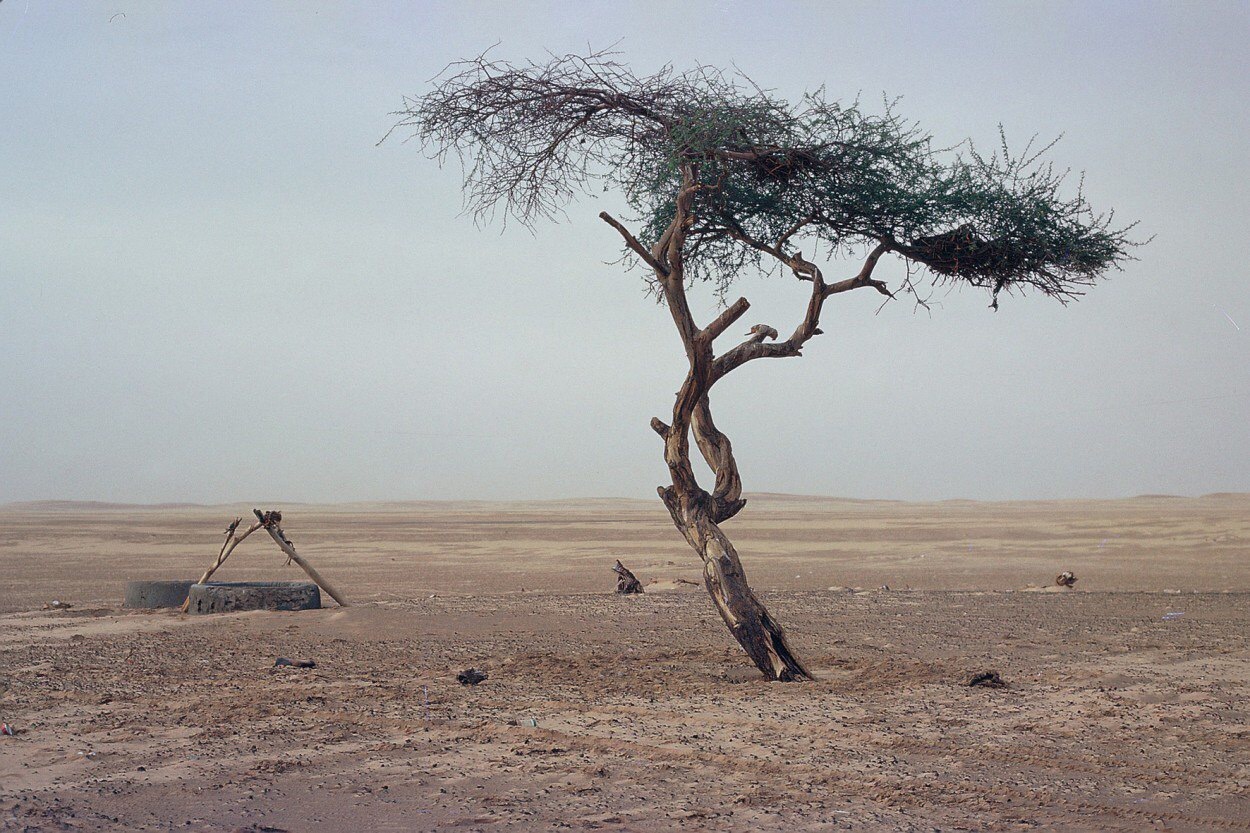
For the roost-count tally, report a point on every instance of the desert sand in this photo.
(1126, 705)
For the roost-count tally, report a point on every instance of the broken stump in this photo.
(626, 581)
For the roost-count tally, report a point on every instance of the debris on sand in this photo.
(294, 663)
(57, 604)
(1065, 579)
(987, 679)
(7, 729)
(626, 582)
(470, 676)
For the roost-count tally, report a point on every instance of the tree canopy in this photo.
(761, 174)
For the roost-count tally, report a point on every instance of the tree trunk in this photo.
(759, 634)
(697, 513)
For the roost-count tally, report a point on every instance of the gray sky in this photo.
(213, 286)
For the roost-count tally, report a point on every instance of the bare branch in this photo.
(725, 320)
(232, 541)
(718, 452)
(633, 243)
(864, 278)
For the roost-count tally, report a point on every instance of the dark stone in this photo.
(294, 663)
(470, 676)
(988, 679)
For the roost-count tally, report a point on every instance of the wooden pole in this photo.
(275, 532)
(269, 521)
(232, 541)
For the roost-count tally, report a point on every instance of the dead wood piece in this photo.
(232, 541)
(626, 581)
(1065, 579)
(471, 676)
(987, 679)
(279, 538)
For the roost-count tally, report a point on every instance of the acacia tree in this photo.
(723, 177)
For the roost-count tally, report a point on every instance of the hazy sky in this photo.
(215, 287)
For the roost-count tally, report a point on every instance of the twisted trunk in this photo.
(696, 513)
(759, 634)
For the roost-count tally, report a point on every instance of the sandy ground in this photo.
(1126, 706)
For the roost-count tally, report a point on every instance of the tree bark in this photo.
(696, 513)
(759, 634)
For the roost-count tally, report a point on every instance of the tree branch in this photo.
(864, 278)
(670, 248)
(633, 243)
(793, 230)
(727, 498)
(725, 320)
(755, 348)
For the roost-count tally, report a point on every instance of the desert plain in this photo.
(1126, 705)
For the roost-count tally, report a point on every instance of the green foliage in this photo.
(771, 175)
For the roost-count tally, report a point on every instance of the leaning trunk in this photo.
(697, 513)
(759, 634)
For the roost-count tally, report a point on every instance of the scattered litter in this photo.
(531, 722)
(7, 729)
(884, 587)
(470, 676)
(295, 663)
(1065, 579)
(987, 679)
(1174, 614)
(57, 604)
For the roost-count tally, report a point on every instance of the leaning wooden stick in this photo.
(275, 532)
(231, 542)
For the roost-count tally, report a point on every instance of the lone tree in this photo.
(722, 177)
